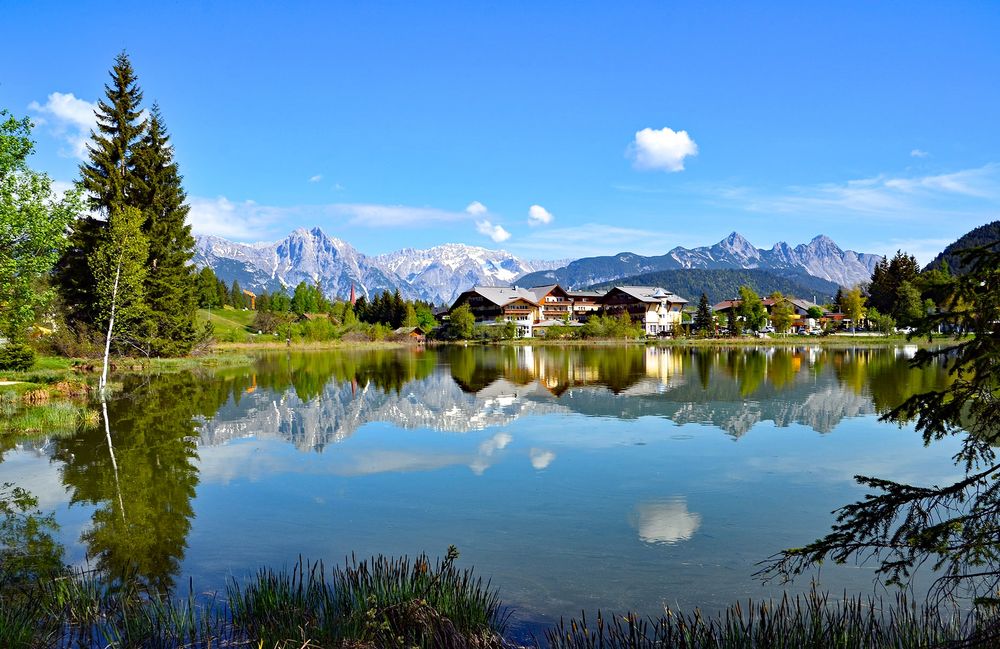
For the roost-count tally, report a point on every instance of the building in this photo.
(555, 302)
(491, 303)
(585, 303)
(541, 307)
(800, 311)
(658, 310)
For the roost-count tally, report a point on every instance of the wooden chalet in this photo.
(658, 310)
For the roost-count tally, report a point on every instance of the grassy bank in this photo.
(57, 394)
(396, 603)
(273, 345)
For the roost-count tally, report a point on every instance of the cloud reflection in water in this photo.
(665, 522)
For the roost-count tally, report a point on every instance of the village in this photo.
(536, 310)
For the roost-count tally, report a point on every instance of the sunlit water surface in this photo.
(574, 478)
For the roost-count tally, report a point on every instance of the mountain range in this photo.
(435, 274)
(821, 258)
(440, 273)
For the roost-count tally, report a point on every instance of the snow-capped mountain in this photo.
(440, 273)
(821, 258)
(447, 270)
(436, 274)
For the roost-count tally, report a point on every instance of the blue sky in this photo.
(550, 129)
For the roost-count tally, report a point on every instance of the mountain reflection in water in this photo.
(460, 389)
(531, 459)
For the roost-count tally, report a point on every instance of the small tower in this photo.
(352, 295)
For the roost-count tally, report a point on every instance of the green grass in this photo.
(396, 602)
(813, 621)
(376, 603)
(227, 322)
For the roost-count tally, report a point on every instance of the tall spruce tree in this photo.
(703, 320)
(171, 291)
(131, 165)
(110, 181)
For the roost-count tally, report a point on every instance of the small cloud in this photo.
(316, 178)
(243, 221)
(664, 149)
(495, 232)
(541, 459)
(475, 208)
(918, 153)
(71, 118)
(375, 215)
(337, 187)
(538, 215)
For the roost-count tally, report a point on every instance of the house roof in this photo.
(651, 294)
(585, 293)
(542, 291)
(805, 305)
(726, 304)
(503, 295)
(405, 331)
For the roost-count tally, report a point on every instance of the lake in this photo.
(612, 477)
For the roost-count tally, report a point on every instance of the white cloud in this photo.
(594, 239)
(475, 208)
(71, 119)
(538, 215)
(495, 232)
(376, 215)
(316, 178)
(664, 149)
(969, 193)
(919, 153)
(220, 217)
(250, 221)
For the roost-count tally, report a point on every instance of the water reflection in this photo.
(462, 389)
(665, 522)
(142, 497)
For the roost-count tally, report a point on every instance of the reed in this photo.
(809, 621)
(398, 602)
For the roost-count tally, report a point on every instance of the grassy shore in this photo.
(401, 603)
(743, 341)
(273, 345)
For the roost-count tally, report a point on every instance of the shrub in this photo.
(17, 356)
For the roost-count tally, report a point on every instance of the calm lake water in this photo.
(574, 478)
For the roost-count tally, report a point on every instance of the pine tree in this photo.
(171, 292)
(703, 321)
(208, 289)
(236, 297)
(110, 182)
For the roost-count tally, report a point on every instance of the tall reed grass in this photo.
(378, 602)
(810, 621)
(397, 602)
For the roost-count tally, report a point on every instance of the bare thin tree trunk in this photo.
(114, 462)
(111, 326)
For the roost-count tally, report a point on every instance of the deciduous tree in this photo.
(33, 225)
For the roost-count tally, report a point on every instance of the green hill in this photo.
(984, 235)
(723, 284)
